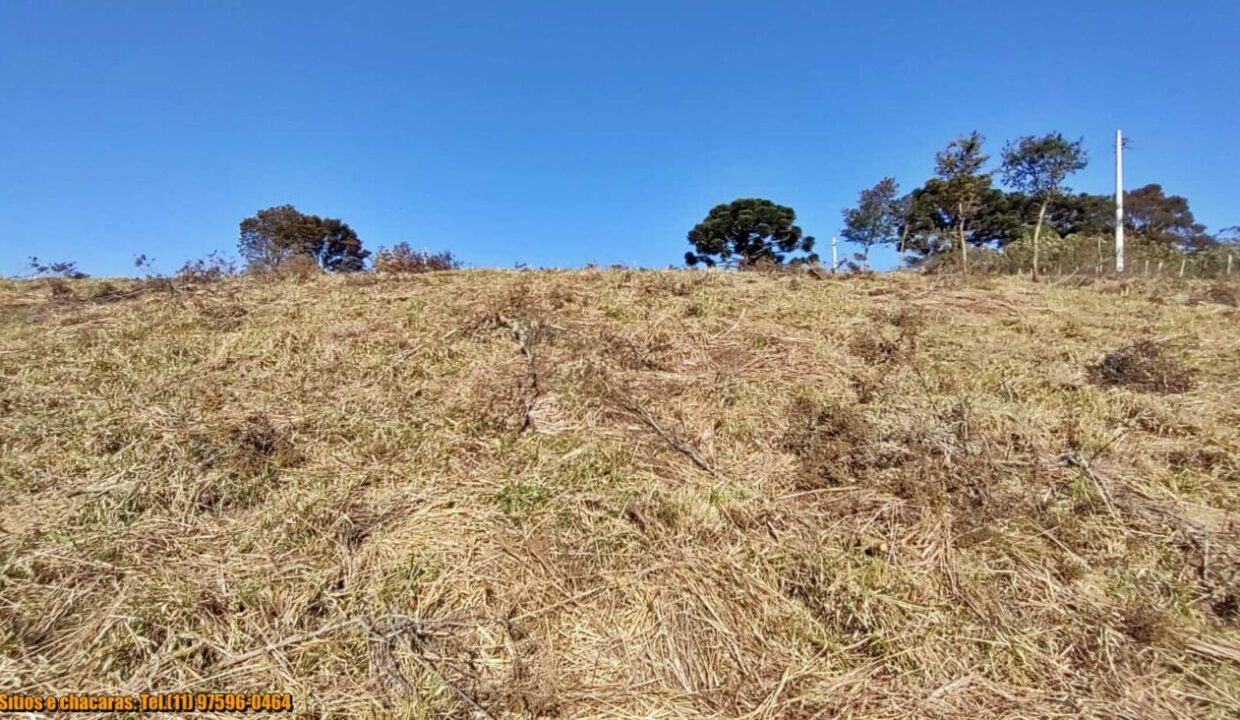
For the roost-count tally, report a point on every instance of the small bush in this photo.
(761, 265)
(878, 348)
(982, 261)
(62, 269)
(769, 266)
(212, 268)
(256, 445)
(297, 267)
(1141, 365)
(1219, 293)
(403, 259)
(875, 348)
(60, 289)
(829, 442)
(106, 292)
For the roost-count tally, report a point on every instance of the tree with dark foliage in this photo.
(1164, 219)
(877, 218)
(931, 224)
(925, 229)
(1038, 166)
(748, 231)
(282, 232)
(1001, 218)
(1082, 213)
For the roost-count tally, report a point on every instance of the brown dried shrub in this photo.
(403, 259)
(1142, 365)
(875, 348)
(1219, 293)
(212, 268)
(1145, 624)
(829, 442)
(298, 267)
(257, 445)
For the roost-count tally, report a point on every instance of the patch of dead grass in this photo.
(1143, 365)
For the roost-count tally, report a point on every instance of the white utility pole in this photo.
(1119, 201)
(835, 256)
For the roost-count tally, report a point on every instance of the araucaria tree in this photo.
(748, 231)
(1038, 166)
(282, 232)
(965, 184)
(877, 219)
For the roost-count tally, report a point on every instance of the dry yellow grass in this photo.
(622, 494)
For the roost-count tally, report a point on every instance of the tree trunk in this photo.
(1037, 234)
(964, 250)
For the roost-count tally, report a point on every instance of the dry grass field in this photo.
(626, 494)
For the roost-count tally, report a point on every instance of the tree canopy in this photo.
(1164, 219)
(1082, 213)
(748, 231)
(965, 184)
(1038, 166)
(877, 218)
(278, 233)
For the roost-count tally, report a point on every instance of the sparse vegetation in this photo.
(627, 494)
(212, 268)
(403, 259)
(59, 269)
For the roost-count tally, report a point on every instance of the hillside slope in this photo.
(626, 494)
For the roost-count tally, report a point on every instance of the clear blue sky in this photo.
(560, 133)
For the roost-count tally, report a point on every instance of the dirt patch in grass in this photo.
(1142, 365)
(830, 443)
(256, 444)
(1219, 293)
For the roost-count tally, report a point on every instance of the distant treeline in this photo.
(963, 207)
(1015, 215)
